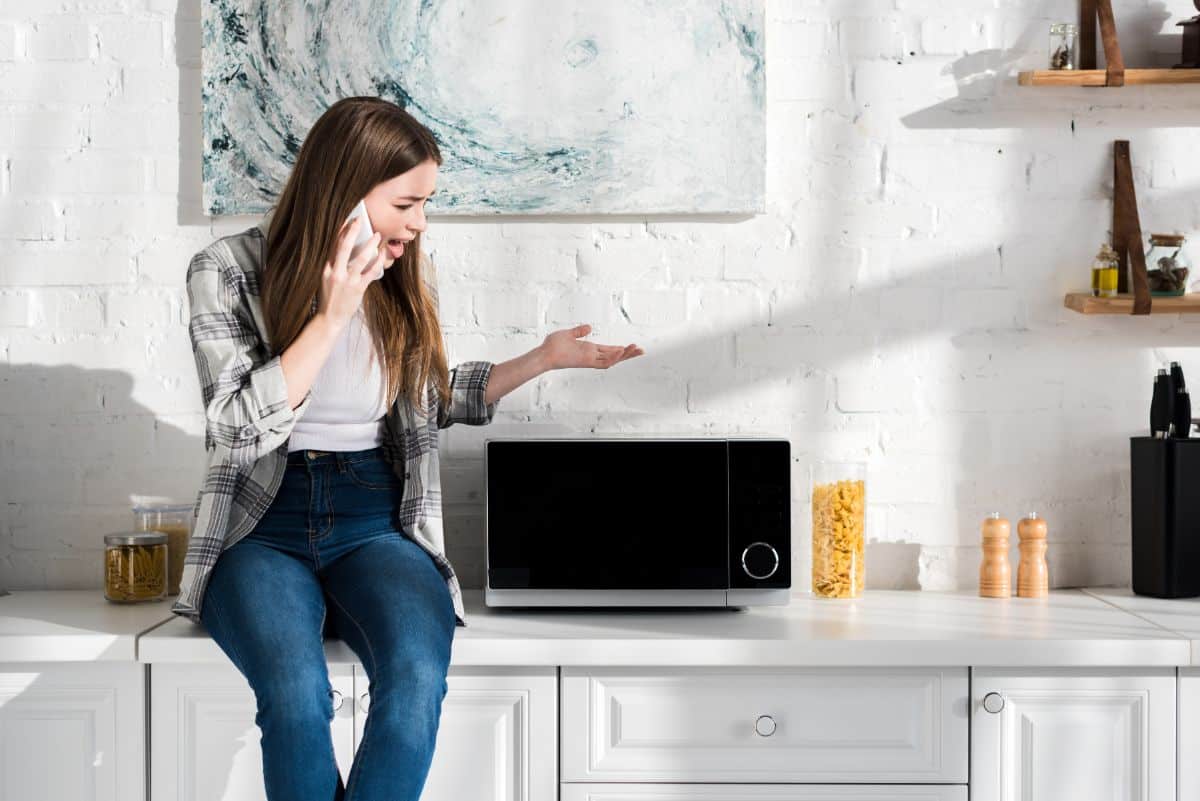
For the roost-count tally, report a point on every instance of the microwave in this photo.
(638, 522)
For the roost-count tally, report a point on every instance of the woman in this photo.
(325, 383)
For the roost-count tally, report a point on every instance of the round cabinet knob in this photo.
(760, 560)
(364, 702)
(993, 702)
(337, 699)
(764, 726)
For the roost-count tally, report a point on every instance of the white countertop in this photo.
(73, 625)
(1102, 627)
(1180, 616)
(1070, 628)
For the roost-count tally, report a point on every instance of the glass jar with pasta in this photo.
(135, 566)
(173, 519)
(839, 503)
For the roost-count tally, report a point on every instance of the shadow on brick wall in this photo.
(77, 443)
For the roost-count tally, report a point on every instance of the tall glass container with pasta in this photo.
(172, 519)
(839, 506)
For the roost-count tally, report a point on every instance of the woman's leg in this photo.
(265, 609)
(390, 604)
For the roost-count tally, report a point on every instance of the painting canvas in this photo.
(567, 107)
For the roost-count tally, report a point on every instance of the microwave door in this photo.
(607, 515)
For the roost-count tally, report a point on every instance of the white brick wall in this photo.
(899, 302)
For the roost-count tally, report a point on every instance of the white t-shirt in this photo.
(348, 405)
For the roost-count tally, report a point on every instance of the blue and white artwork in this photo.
(539, 106)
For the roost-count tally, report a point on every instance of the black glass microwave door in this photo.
(607, 515)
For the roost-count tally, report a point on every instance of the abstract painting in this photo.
(565, 107)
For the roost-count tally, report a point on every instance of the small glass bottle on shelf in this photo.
(1167, 266)
(1105, 272)
(1062, 45)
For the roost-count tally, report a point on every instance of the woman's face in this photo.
(396, 207)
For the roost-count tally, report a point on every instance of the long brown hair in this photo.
(358, 143)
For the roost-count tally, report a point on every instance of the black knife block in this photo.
(1165, 488)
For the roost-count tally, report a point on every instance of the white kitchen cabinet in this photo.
(814, 725)
(1071, 735)
(497, 738)
(72, 730)
(204, 743)
(1189, 734)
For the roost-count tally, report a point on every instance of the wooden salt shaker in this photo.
(995, 573)
(1033, 580)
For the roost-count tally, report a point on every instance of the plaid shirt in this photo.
(249, 419)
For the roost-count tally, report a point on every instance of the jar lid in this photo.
(1167, 240)
(136, 538)
(162, 507)
(158, 503)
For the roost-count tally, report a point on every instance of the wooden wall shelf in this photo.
(1097, 77)
(1084, 303)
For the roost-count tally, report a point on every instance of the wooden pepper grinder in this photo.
(1033, 580)
(995, 573)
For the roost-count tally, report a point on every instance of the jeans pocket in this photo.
(373, 474)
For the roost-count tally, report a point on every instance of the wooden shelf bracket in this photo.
(1091, 11)
(1127, 230)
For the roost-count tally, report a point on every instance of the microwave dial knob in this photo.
(760, 560)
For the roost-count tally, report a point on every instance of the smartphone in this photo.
(365, 232)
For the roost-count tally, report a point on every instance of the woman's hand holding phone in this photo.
(347, 276)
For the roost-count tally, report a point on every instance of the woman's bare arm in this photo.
(560, 349)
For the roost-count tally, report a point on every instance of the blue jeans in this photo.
(326, 558)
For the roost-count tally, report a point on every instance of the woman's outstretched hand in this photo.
(565, 349)
(560, 349)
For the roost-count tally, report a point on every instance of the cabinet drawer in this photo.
(764, 725)
(762, 792)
